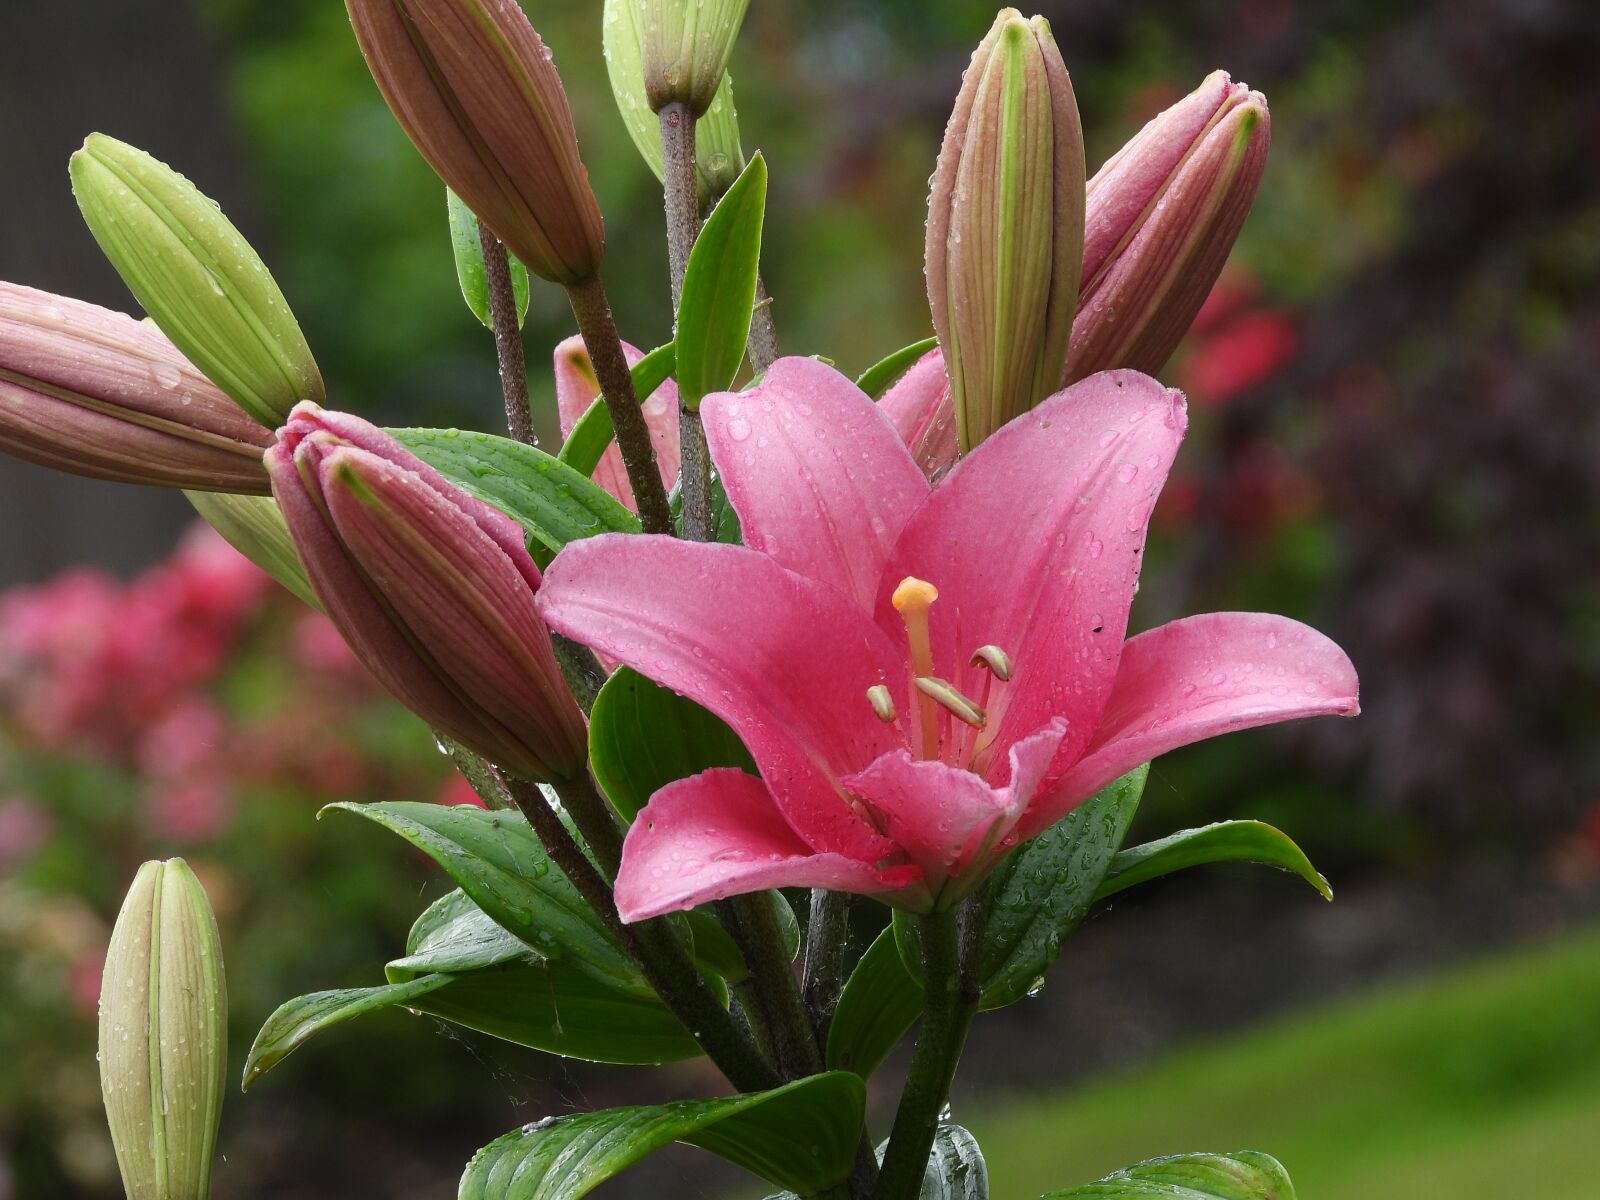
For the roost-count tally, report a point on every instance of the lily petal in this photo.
(820, 479)
(576, 389)
(1033, 542)
(923, 412)
(945, 817)
(785, 660)
(720, 834)
(1199, 677)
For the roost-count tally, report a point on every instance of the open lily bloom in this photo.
(925, 675)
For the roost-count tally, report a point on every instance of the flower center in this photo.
(934, 735)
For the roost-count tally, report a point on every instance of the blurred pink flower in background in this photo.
(24, 825)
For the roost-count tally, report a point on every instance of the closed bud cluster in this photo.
(163, 1035)
(684, 46)
(476, 91)
(718, 155)
(94, 392)
(1163, 214)
(1005, 227)
(432, 588)
(196, 276)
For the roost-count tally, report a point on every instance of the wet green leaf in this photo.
(468, 251)
(881, 375)
(719, 288)
(1245, 1175)
(1226, 841)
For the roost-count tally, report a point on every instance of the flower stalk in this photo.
(598, 328)
(947, 1014)
(507, 335)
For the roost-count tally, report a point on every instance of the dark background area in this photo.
(1395, 436)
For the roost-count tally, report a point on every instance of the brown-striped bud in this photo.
(164, 1035)
(478, 95)
(94, 392)
(1163, 214)
(432, 588)
(685, 46)
(1005, 227)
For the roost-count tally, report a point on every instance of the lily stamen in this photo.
(944, 694)
(882, 703)
(912, 600)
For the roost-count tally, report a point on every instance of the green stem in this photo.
(580, 668)
(655, 947)
(827, 933)
(794, 1044)
(599, 330)
(679, 189)
(762, 345)
(947, 1013)
(507, 335)
(595, 819)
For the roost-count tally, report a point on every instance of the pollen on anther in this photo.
(882, 703)
(914, 594)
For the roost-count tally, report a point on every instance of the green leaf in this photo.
(1226, 841)
(1245, 1175)
(643, 736)
(297, 1020)
(719, 288)
(254, 526)
(495, 858)
(587, 442)
(1040, 894)
(881, 375)
(879, 1004)
(801, 1136)
(469, 264)
(955, 1171)
(552, 502)
(462, 967)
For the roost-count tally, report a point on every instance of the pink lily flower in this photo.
(576, 389)
(925, 674)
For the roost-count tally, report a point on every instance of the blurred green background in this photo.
(1394, 436)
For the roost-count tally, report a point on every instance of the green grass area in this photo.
(1482, 1083)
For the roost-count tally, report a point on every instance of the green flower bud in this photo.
(684, 45)
(196, 276)
(718, 156)
(163, 1035)
(1005, 227)
(254, 526)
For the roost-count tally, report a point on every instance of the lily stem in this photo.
(655, 947)
(826, 935)
(948, 1007)
(680, 190)
(794, 1044)
(595, 819)
(599, 329)
(580, 668)
(507, 335)
(762, 345)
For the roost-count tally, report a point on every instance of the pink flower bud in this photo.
(1005, 227)
(91, 391)
(432, 589)
(922, 411)
(1162, 216)
(478, 95)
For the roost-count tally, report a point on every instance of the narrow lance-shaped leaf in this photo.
(719, 288)
(1244, 1175)
(879, 1004)
(1226, 841)
(554, 503)
(881, 375)
(593, 433)
(467, 247)
(1040, 894)
(254, 526)
(801, 1136)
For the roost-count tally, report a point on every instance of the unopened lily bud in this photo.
(1005, 227)
(684, 45)
(432, 588)
(718, 155)
(478, 95)
(196, 276)
(163, 1035)
(1163, 214)
(94, 392)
